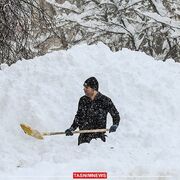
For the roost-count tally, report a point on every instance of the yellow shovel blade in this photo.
(31, 132)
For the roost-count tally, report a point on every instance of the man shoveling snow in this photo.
(92, 113)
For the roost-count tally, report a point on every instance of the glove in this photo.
(68, 132)
(113, 128)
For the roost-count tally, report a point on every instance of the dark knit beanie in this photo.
(92, 82)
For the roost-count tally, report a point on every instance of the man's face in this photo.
(88, 91)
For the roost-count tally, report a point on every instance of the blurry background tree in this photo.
(151, 26)
(29, 28)
(23, 25)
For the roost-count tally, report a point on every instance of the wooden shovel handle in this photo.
(75, 132)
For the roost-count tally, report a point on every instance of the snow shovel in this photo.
(39, 135)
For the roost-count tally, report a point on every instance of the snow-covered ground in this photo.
(44, 93)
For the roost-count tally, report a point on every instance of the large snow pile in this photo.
(44, 93)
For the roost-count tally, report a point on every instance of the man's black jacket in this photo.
(92, 114)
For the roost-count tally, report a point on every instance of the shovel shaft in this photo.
(75, 132)
(38, 135)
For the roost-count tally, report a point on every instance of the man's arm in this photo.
(78, 116)
(76, 121)
(114, 114)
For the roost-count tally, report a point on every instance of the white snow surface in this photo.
(44, 93)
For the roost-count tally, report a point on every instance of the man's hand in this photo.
(68, 132)
(113, 128)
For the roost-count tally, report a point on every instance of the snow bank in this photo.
(44, 93)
